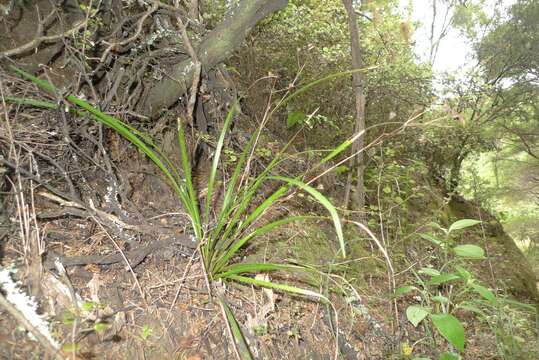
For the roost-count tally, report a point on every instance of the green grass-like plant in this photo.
(224, 230)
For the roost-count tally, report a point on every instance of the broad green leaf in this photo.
(431, 238)
(415, 314)
(450, 328)
(404, 290)
(469, 251)
(429, 271)
(462, 224)
(443, 278)
(438, 226)
(465, 274)
(486, 293)
(294, 117)
(243, 348)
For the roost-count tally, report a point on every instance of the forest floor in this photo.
(76, 195)
(134, 286)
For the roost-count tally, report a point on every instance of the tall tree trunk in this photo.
(357, 83)
(216, 47)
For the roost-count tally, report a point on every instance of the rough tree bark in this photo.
(357, 83)
(215, 48)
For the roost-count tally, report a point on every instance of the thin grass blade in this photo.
(186, 167)
(216, 157)
(238, 244)
(314, 83)
(283, 287)
(125, 131)
(324, 202)
(32, 102)
(343, 146)
(243, 348)
(231, 194)
(255, 268)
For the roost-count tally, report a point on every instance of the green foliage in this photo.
(450, 328)
(501, 182)
(295, 117)
(71, 348)
(100, 327)
(510, 321)
(437, 306)
(145, 332)
(311, 38)
(469, 251)
(243, 348)
(467, 294)
(416, 314)
(462, 224)
(224, 230)
(511, 48)
(226, 236)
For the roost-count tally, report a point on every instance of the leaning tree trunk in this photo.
(357, 83)
(215, 48)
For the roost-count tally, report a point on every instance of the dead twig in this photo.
(140, 23)
(13, 311)
(198, 66)
(134, 257)
(40, 38)
(128, 263)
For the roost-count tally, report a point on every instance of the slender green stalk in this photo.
(242, 347)
(223, 237)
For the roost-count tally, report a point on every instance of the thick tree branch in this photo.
(215, 48)
(357, 84)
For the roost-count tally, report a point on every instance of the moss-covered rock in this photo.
(505, 260)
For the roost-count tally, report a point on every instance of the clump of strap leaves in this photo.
(223, 230)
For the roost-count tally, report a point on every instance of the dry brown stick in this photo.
(135, 256)
(67, 201)
(128, 263)
(140, 23)
(182, 281)
(13, 311)
(99, 213)
(196, 75)
(168, 7)
(42, 39)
